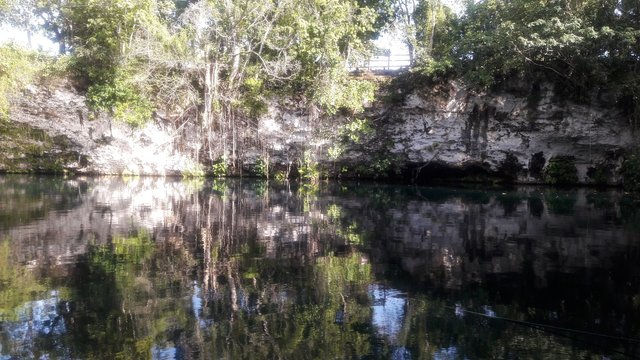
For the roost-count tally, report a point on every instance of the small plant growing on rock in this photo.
(220, 168)
(261, 169)
(309, 169)
(280, 176)
(561, 170)
(193, 171)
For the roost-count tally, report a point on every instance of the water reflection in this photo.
(166, 269)
(388, 307)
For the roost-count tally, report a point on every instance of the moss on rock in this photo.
(30, 150)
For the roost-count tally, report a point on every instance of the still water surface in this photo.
(156, 268)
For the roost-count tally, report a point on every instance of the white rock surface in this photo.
(110, 147)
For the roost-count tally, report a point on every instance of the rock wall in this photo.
(451, 132)
(510, 133)
(52, 130)
(430, 132)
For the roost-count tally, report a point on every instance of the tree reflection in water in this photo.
(155, 268)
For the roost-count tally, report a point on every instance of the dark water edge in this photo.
(159, 268)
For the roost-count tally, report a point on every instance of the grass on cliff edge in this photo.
(20, 67)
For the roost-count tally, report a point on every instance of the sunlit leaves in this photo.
(18, 68)
(582, 44)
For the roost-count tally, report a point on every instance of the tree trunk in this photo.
(412, 52)
(433, 31)
(210, 97)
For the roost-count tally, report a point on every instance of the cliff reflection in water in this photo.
(161, 268)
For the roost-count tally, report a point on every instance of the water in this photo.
(166, 269)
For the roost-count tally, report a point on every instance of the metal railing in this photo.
(383, 63)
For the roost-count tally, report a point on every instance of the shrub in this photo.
(193, 171)
(600, 174)
(510, 167)
(18, 67)
(309, 169)
(120, 96)
(220, 168)
(561, 170)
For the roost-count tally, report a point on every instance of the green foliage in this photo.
(631, 172)
(561, 170)
(330, 35)
(335, 151)
(356, 129)
(261, 168)
(253, 99)
(436, 70)
(353, 132)
(18, 68)
(309, 169)
(98, 35)
(345, 94)
(220, 168)
(120, 96)
(280, 176)
(58, 68)
(580, 45)
(193, 171)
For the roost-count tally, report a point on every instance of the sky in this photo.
(393, 41)
(19, 37)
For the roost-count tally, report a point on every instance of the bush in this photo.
(600, 174)
(309, 169)
(122, 98)
(220, 168)
(18, 68)
(561, 170)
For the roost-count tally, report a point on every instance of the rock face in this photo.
(52, 130)
(450, 132)
(515, 135)
(525, 133)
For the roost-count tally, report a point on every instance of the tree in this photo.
(425, 26)
(220, 57)
(582, 44)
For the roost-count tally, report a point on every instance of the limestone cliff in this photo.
(512, 134)
(415, 132)
(450, 132)
(51, 130)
